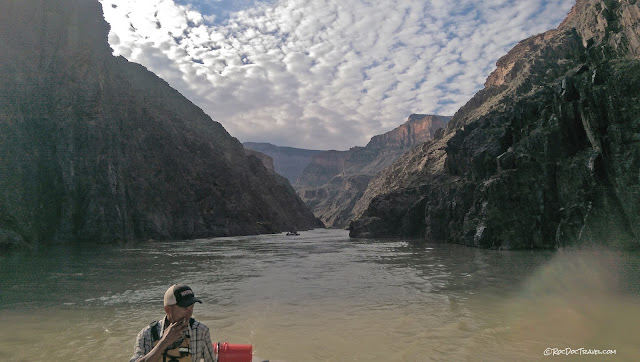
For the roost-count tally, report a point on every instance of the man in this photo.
(176, 337)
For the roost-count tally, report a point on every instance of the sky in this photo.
(324, 74)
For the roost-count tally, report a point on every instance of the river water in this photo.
(321, 296)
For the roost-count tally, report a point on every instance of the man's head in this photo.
(178, 302)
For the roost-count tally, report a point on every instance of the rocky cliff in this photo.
(417, 129)
(546, 155)
(94, 148)
(266, 160)
(335, 180)
(287, 161)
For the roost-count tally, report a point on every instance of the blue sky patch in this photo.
(221, 8)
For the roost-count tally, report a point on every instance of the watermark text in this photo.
(577, 351)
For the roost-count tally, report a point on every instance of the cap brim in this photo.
(187, 302)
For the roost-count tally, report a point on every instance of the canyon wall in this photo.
(287, 161)
(546, 155)
(95, 148)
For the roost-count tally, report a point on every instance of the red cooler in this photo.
(233, 352)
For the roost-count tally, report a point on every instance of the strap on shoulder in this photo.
(155, 333)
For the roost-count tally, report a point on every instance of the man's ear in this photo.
(167, 309)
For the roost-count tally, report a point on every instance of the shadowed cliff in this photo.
(287, 161)
(93, 147)
(546, 155)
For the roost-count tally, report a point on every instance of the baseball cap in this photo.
(181, 295)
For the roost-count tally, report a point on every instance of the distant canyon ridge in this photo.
(331, 182)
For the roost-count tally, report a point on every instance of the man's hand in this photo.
(171, 334)
(174, 332)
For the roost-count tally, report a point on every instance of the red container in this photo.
(233, 352)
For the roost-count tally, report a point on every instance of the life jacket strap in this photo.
(181, 353)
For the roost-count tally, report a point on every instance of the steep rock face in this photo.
(335, 180)
(332, 203)
(93, 147)
(417, 129)
(324, 166)
(266, 160)
(546, 155)
(287, 161)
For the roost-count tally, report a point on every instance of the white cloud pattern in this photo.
(325, 74)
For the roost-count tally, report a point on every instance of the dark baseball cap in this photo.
(181, 295)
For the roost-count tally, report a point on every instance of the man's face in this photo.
(177, 313)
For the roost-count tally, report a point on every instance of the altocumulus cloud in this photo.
(325, 74)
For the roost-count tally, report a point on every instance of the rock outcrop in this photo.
(546, 155)
(287, 161)
(335, 180)
(266, 160)
(94, 148)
